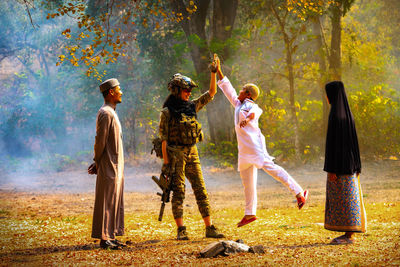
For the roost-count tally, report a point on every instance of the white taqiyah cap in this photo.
(108, 84)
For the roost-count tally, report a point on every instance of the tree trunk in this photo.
(132, 139)
(219, 111)
(44, 62)
(335, 64)
(320, 57)
(224, 14)
(289, 64)
(192, 27)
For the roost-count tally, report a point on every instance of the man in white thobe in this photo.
(108, 214)
(253, 154)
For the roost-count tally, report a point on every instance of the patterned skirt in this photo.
(344, 209)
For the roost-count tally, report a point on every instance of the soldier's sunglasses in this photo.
(187, 90)
(189, 81)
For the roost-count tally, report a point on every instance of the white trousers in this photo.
(249, 180)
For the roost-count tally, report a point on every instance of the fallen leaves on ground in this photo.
(54, 229)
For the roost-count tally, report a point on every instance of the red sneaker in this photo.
(245, 221)
(301, 201)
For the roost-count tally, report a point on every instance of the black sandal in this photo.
(342, 240)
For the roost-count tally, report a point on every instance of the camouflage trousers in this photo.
(188, 165)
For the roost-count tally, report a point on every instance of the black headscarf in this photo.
(177, 106)
(342, 155)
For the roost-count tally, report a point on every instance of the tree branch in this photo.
(323, 36)
(29, 13)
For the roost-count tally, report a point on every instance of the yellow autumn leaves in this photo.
(102, 39)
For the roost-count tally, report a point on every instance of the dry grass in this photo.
(54, 229)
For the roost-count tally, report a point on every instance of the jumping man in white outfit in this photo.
(253, 153)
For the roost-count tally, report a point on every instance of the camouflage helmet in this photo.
(179, 82)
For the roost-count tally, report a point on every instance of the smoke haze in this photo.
(48, 112)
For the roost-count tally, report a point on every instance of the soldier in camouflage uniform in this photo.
(179, 132)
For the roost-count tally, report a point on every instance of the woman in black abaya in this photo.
(344, 210)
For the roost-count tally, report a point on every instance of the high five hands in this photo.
(213, 66)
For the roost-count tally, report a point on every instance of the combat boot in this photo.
(182, 234)
(212, 232)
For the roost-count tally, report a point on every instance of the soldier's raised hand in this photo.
(213, 66)
(217, 61)
(218, 65)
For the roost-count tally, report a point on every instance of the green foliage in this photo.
(196, 40)
(312, 136)
(104, 31)
(377, 113)
(367, 62)
(52, 110)
(58, 163)
(272, 123)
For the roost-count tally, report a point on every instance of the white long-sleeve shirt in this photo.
(251, 142)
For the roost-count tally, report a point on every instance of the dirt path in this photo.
(73, 191)
(46, 221)
(138, 178)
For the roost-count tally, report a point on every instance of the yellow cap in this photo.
(252, 89)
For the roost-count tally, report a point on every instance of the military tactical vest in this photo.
(184, 131)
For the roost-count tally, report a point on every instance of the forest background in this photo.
(54, 54)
